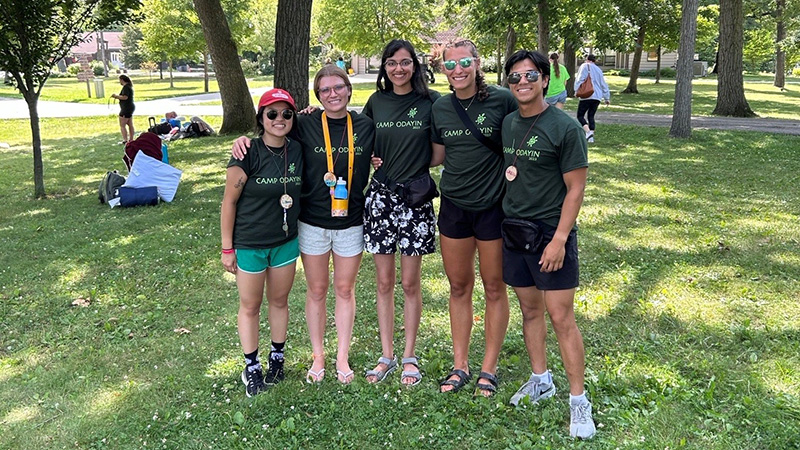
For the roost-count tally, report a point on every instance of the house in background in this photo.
(90, 46)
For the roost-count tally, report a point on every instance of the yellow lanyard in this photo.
(351, 148)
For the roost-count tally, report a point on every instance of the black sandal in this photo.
(492, 388)
(463, 379)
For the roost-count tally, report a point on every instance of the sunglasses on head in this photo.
(515, 77)
(287, 114)
(327, 90)
(465, 62)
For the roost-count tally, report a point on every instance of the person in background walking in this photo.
(557, 90)
(589, 105)
(126, 108)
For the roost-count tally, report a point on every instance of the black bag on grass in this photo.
(109, 186)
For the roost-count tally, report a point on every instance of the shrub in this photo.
(97, 68)
(796, 72)
(250, 68)
(666, 72)
(73, 69)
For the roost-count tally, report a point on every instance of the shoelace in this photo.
(254, 378)
(582, 413)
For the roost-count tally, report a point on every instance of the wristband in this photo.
(227, 251)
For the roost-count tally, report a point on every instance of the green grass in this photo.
(688, 309)
(145, 88)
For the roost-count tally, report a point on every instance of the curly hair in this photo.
(480, 78)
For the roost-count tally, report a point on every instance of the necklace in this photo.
(330, 176)
(511, 171)
(286, 200)
(470, 102)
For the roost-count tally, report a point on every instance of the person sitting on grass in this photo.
(260, 209)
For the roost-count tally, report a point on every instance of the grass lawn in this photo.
(145, 88)
(690, 260)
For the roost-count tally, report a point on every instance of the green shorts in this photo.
(258, 260)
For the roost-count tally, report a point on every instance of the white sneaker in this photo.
(581, 424)
(534, 390)
(590, 137)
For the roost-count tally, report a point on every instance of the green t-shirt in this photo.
(126, 105)
(473, 174)
(259, 215)
(557, 84)
(402, 132)
(316, 197)
(556, 145)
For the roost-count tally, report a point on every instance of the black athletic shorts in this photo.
(524, 270)
(457, 223)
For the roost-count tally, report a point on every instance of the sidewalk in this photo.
(189, 105)
(185, 105)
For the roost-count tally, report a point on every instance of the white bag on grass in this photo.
(148, 171)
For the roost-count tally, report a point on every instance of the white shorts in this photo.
(318, 241)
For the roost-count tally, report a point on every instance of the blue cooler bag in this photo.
(138, 196)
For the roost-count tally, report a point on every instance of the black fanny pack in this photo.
(521, 236)
(415, 192)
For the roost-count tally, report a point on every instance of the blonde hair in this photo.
(332, 71)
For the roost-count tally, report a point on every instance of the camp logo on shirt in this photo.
(276, 180)
(481, 118)
(530, 153)
(291, 168)
(413, 124)
(412, 112)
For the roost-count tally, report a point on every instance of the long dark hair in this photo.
(418, 82)
(556, 69)
(539, 60)
(480, 79)
(126, 79)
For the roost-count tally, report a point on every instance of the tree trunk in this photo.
(292, 32)
(780, 53)
(658, 64)
(682, 108)
(544, 27)
(637, 61)
(499, 63)
(32, 99)
(569, 63)
(171, 80)
(730, 83)
(238, 113)
(205, 71)
(511, 45)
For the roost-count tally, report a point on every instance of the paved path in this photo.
(189, 105)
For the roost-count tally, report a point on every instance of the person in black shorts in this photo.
(126, 108)
(546, 164)
(470, 211)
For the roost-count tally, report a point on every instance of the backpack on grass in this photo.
(109, 186)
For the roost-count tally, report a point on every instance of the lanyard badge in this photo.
(339, 192)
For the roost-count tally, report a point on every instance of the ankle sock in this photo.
(545, 377)
(578, 399)
(277, 351)
(251, 361)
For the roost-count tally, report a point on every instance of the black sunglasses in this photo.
(287, 114)
(515, 77)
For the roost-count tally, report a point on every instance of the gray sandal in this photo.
(415, 374)
(380, 375)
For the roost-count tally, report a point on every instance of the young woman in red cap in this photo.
(260, 210)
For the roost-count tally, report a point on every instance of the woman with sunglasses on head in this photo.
(337, 146)
(470, 212)
(401, 110)
(259, 215)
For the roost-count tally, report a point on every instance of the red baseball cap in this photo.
(276, 95)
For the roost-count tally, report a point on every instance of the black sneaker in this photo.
(253, 381)
(275, 372)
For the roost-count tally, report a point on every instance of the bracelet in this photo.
(226, 251)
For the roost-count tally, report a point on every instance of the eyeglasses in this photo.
(391, 64)
(515, 77)
(287, 114)
(465, 62)
(339, 88)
